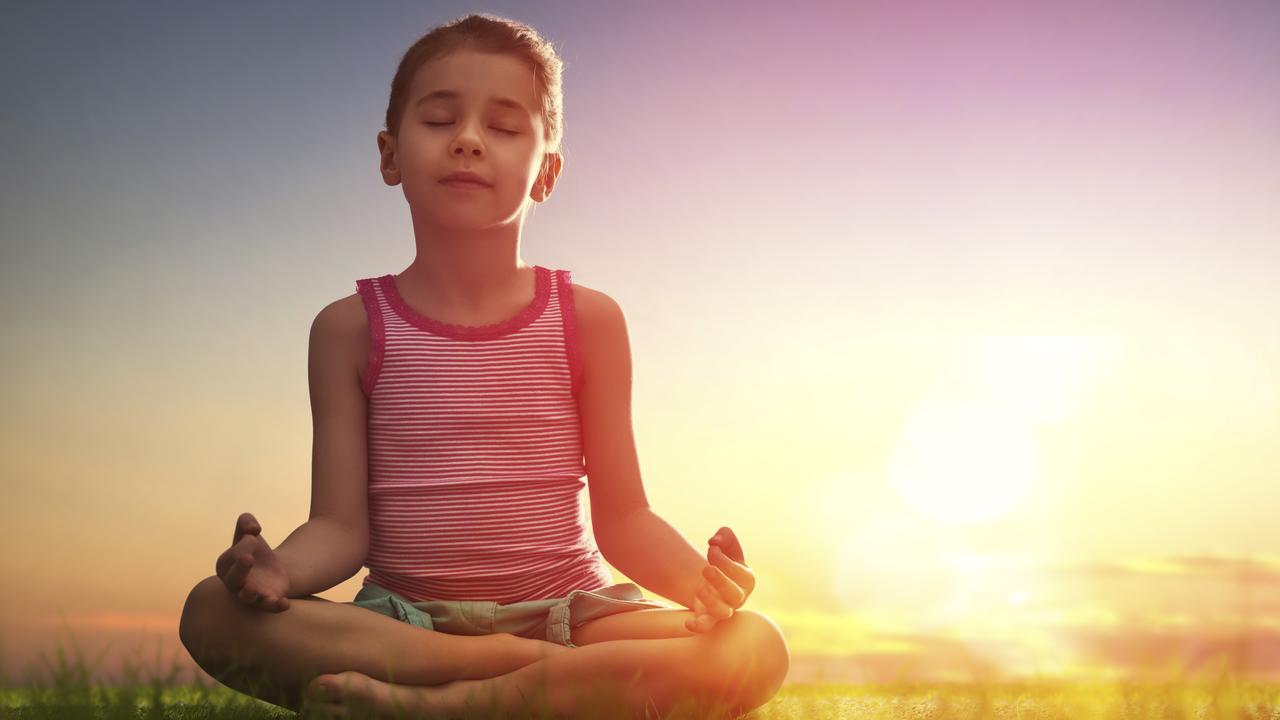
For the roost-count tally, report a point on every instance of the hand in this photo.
(725, 584)
(251, 571)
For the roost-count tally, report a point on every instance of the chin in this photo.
(462, 219)
(463, 216)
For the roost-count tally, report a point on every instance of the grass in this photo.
(70, 694)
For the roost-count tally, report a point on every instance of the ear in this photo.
(552, 164)
(387, 152)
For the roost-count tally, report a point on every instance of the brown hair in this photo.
(487, 33)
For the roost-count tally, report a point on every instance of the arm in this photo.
(630, 535)
(650, 551)
(331, 546)
(318, 555)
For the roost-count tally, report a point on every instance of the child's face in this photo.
(470, 136)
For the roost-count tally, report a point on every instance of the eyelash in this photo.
(509, 132)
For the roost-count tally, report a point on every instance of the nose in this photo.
(465, 142)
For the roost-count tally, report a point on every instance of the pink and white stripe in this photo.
(475, 451)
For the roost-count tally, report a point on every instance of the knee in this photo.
(751, 659)
(200, 605)
(765, 648)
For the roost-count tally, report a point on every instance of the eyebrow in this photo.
(453, 95)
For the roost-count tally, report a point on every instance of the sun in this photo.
(963, 462)
(974, 459)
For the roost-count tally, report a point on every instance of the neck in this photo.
(464, 270)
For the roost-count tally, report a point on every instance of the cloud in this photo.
(1254, 653)
(1261, 569)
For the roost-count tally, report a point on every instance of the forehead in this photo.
(477, 77)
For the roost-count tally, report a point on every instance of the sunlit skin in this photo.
(468, 271)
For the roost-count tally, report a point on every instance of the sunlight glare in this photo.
(1039, 378)
(899, 569)
(963, 463)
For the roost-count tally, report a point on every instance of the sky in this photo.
(963, 316)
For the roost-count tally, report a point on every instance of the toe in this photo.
(325, 689)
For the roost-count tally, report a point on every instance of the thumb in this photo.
(728, 542)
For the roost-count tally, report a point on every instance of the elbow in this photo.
(608, 548)
(615, 549)
(361, 552)
(605, 550)
(358, 547)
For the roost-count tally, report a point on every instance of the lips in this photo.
(465, 185)
(465, 178)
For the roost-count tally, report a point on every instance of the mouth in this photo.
(464, 185)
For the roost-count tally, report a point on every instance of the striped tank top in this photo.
(475, 451)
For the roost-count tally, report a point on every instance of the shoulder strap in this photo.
(373, 302)
(569, 317)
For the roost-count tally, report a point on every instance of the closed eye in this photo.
(501, 130)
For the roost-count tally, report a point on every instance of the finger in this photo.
(725, 538)
(732, 548)
(699, 609)
(240, 572)
(228, 557)
(250, 525)
(247, 596)
(691, 624)
(716, 605)
(741, 574)
(706, 622)
(224, 563)
(730, 593)
(246, 524)
(700, 623)
(704, 598)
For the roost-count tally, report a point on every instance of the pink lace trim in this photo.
(569, 315)
(373, 367)
(542, 293)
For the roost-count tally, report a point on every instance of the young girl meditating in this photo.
(457, 407)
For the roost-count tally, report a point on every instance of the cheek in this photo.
(517, 175)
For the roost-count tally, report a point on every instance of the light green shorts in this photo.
(547, 619)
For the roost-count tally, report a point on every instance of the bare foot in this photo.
(352, 694)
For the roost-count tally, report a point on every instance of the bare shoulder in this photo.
(603, 341)
(342, 327)
(594, 309)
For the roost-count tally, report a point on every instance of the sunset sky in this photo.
(964, 316)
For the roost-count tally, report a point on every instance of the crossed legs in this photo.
(335, 653)
(272, 656)
(734, 669)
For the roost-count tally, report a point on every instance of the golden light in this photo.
(1042, 379)
(899, 572)
(963, 462)
(969, 453)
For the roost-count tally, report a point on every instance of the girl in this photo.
(456, 408)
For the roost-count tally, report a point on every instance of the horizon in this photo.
(965, 320)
